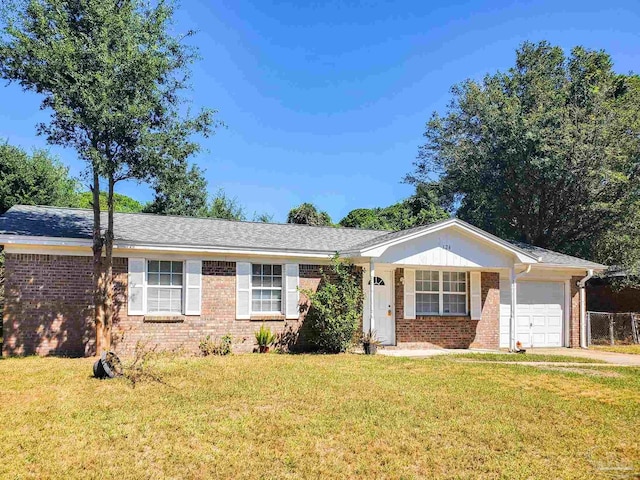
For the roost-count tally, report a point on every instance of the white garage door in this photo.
(540, 314)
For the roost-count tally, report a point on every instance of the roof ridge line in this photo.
(159, 215)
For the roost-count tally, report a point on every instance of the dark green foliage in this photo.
(122, 203)
(36, 179)
(262, 217)
(419, 209)
(180, 190)
(546, 153)
(335, 309)
(308, 214)
(110, 73)
(223, 206)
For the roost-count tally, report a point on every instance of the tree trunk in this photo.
(108, 268)
(98, 283)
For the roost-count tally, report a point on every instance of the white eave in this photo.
(377, 249)
(36, 241)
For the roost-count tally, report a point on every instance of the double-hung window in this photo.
(164, 287)
(441, 293)
(266, 288)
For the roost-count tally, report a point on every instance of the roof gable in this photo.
(376, 247)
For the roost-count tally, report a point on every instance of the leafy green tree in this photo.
(262, 217)
(121, 203)
(36, 179)
(335, 308)
(223, 206)
(111, 75)
(180, 190)
(546, 153)
(419, 209)
(308, 214)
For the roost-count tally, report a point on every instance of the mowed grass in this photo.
(633, 349)
(524, 357)
(306, 416)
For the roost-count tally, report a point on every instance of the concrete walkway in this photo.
(609, 357)
(612, 358)
(430, 352)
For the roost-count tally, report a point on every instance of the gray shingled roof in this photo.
(556, 258)
(187, 231)
(151, 229)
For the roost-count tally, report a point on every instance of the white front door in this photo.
(540, 311)
(384, 323)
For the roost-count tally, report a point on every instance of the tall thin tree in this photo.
(111, 73)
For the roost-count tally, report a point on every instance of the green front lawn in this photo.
(286, 416)
(524, 357)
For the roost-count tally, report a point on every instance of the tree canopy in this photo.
(419, 209)
(225, 207)
(121, 203)
(36, 179)
(308, 214)
(180, 190)
(545, 153)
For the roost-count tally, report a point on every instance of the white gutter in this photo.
(583, 308)
(514, 305)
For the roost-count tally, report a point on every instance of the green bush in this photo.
(209, 346)
(335, 309)
(265, 337)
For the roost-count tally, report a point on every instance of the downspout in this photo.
(583, 308)
(514, 305)
(372, 274)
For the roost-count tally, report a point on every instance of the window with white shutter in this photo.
(164, 287)
(135, 296)
(292, 295)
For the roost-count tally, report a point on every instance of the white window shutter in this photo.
(243, 290)
(292, 296)
(476, 295)
(135, 294)
(409, 294)
(193, 287)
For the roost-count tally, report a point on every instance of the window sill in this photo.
(163, 319)
(267, 317)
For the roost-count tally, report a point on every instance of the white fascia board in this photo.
(79, 242)
(562, 266)
(378, 250)
(223, 250)
(44, 241)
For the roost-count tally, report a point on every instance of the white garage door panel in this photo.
(540, 314)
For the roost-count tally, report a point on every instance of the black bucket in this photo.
(108, 366)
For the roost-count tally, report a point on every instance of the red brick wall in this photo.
(48, 305)
(49, 309)
(488, 330)
(574, 317)
(452, 331)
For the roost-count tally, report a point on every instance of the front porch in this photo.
(441, 308)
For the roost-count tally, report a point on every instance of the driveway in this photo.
(609, 357)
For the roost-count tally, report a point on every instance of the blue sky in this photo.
(325, 101)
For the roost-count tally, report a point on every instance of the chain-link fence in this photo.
(604, 328)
